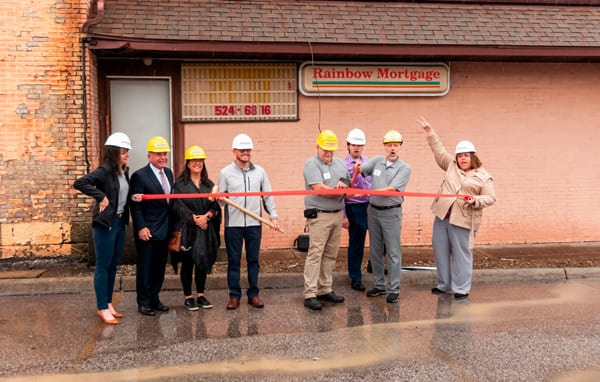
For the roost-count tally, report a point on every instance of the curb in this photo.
(75, 285)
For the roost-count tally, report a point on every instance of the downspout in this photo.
(85, 41)
(99, 16)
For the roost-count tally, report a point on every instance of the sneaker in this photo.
(392, 298)
(190, 304)
(203, 303)
(312, 303)
(376, 292)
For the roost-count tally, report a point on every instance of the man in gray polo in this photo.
(388, 173)
(324, 221)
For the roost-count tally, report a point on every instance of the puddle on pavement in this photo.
(358, 347)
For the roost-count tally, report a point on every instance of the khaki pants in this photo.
(325, 232)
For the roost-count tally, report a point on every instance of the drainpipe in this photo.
(84, 42)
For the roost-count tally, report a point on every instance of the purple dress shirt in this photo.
(361, 181)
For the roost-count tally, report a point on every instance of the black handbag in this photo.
(175, 241)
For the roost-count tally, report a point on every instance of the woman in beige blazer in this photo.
(457, 220)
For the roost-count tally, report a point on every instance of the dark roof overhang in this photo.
(320, 51)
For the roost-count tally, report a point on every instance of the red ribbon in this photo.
(333, 191)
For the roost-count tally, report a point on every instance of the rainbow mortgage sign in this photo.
(374, 79)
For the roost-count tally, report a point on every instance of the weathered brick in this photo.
(519, 115)
(37, 87)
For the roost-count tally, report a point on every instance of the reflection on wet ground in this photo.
(516, 332)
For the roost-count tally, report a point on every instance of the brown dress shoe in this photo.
(256, 302)
(233, 303)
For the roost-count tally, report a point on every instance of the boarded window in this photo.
(239, 92)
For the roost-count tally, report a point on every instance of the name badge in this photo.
(377, 172)
(326, 175)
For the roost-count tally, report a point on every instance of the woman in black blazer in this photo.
(199, 220)
(109, 185)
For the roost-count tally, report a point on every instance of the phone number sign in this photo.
(229, 110)
(239, 92)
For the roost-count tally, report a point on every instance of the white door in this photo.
(141, 108)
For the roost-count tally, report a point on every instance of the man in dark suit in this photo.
(150, 225)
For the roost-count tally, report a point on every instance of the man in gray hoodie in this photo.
(244, 176)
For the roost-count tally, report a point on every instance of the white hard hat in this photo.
(118, 140)
(356, 137)
(242, 142)
(465, 147)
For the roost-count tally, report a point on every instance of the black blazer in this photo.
(153, 214)
(99, 183)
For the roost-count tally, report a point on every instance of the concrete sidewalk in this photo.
(69, 285)
(280, 276)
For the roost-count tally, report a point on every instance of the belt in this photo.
(381, 208)
(119, 216)
(329, 212)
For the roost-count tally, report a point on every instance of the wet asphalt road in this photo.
(518, 331)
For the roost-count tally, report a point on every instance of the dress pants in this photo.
(150, 270)
(357, 234)
(384, 232)
(453, 257)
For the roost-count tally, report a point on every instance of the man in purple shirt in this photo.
(355, 212)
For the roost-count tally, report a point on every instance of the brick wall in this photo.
(41, 124)
(535, 126)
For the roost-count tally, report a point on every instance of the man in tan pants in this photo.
(324, 215)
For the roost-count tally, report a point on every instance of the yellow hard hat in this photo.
(327, 140)
(158, 144)
(392, 136)
(195, 152)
